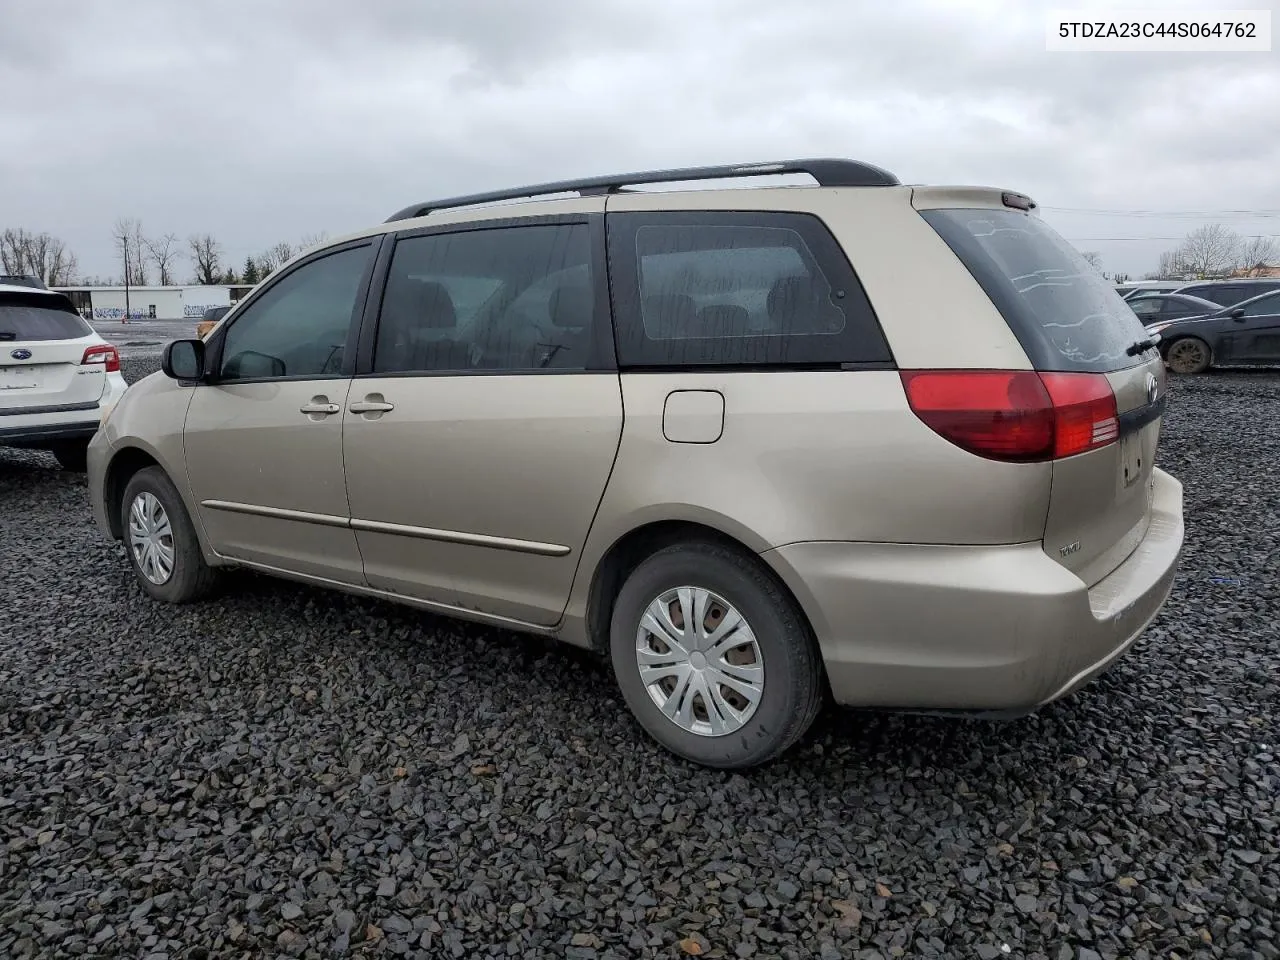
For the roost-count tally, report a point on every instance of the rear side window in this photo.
(39, 317)
(1065, 315)
(745, 289)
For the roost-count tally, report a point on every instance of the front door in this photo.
(480, 439)
(1254, 337)
(263, 439)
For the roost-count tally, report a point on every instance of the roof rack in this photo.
(827, 172)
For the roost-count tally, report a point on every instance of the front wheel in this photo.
(1188, 355)
(713, 657)
(161, 540)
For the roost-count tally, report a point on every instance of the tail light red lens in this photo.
(1018, 416)
(104, 354)
(1085, 412)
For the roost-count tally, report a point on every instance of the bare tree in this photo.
(275, 257)
(53, 262)
(1256, 254)
(1210, 250)
(127, 234)
(13, 250)
(206, 254)
(1170, 266)
(1093, 258)
(163, 253)
(310, 240)
(42, 254)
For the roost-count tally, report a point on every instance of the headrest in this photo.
(722, 320)
(571, 305)
(669, 315)
(790, 298)
(434, 305)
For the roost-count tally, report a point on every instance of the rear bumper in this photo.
(39, 434)
(998, 628)
(40, 425)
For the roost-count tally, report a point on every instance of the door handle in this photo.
(319, 407)
(373, 404)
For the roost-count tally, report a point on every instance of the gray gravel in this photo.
(286, 772)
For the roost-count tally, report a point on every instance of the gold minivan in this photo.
(891, 444)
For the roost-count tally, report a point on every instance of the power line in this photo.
(1263, 214)
(1253, 236)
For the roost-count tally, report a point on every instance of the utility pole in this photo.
(125, 240)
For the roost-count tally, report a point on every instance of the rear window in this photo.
(1064, 313)
(39, 317)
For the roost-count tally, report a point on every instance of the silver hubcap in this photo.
(151, 538)
(699, 661)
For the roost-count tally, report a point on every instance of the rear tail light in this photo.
(1015, 415)
(104, 354)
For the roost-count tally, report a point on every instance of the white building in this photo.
(153, 303)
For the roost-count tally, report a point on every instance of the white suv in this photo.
(57, 376)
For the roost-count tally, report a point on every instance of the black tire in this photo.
(191, 578)
(72, 455)
(1188, 355)
(793, 687)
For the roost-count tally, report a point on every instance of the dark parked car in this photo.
(210, 320)
(1128, 291)
(1158, 307)
(23, 280)
(1245, 334)
(1228, 293)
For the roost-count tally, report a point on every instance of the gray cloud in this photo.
(263, 121)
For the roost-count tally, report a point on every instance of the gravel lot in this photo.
(290, 772)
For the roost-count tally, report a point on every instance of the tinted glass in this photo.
(1230, 294)
(737, 288)
(1065, 315)
(299, 326)
(1263, 306)
(508, 298)
(38, 317)
(1147, 308)
(1179, 307)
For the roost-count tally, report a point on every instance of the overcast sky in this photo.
(265, 121)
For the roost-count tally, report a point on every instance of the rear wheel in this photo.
(713, 657)
(1188, 355)
(161, 540)
(72, 455)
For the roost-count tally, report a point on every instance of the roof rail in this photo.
(828, 173)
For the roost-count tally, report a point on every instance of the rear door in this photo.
(42, 351)
(485, 417)
(1069, 320)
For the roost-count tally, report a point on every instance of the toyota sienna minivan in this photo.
(891, 444)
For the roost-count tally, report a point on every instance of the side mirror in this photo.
(183, 360)
(1237, 313)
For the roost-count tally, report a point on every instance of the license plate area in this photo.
(1132, 457)
(19, 378)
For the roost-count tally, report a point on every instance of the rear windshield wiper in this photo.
(1142, 346)
(8, 335)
